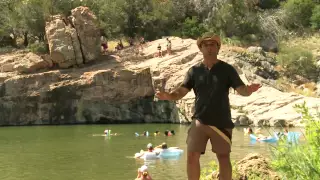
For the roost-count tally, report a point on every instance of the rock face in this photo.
(120, 88)
(24, 63)
(74, 40)
(101, 96)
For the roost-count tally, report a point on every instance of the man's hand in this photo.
(175, 95)
(163, 96)
(253, 88)
(248, 90)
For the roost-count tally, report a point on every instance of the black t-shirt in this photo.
(211, 88)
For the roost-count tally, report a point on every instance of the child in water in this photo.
(157, 133)
(143, 173)
(169, 133)
(257, 132)
(106, 132)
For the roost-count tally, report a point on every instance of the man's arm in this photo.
(179, 93)
(243, 90)
(237, 84)
(247, 90)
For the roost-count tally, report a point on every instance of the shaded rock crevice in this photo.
(77, 40)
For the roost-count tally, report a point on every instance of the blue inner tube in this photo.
(290, 137)
(269, 139)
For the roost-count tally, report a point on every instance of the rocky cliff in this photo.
(75, 84)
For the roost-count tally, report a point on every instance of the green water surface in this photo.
(80, 152)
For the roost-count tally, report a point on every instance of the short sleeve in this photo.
(234, 78)
(188, 81)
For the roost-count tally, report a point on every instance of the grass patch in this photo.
(309, 42)
(297, 61)
(308, 90)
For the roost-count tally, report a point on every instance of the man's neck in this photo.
(209, 62)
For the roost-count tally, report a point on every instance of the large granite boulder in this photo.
(86, 25)
(73, 40)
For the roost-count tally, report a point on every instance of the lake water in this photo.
(80, 153)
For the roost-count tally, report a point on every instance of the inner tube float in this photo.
(160, 153)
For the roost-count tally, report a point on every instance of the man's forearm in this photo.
(244, 91)
(176, 95)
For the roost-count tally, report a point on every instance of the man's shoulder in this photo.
(195, 68)
(199, 65)
(226, 65)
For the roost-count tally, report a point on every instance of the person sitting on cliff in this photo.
(130, 41)
(142, 41)
(143, 173)
(104, 44)
(120, 44)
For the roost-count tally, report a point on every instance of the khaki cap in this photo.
(209, 36)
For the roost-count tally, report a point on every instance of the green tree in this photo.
(315, 18)
(233, 18)
(192, 27)
(298, 13)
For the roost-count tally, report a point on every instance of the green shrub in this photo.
(233, 41)
(192, 28)
(297, 61)
(38, 48)
(315, 18)
(212, 166)
(300, 161)
(298, 12)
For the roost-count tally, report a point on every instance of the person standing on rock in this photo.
(168, 46)
(159, 50)
(210, 81)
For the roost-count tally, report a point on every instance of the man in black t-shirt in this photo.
(210, 81)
